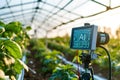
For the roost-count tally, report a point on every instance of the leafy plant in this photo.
(11, 48)
(69, 53)
(50, 61)
(64, 72)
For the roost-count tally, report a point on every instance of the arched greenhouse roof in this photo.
(50, 15)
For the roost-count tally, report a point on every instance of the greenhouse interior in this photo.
(59, 39)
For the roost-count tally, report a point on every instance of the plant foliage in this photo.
(13, 41)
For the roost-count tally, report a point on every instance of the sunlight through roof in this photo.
(49, 15)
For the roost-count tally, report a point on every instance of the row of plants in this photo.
(13, 43)
(50, 63)
(67, 52)
(113, 47)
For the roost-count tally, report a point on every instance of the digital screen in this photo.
(81, 38)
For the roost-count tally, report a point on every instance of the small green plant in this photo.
(64, 72)
(50, 61)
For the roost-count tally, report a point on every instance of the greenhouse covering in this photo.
(55, 17)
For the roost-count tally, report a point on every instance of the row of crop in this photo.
(49, 56)
(113, 47)
(50, 63)
(13, 42)
(68, 53)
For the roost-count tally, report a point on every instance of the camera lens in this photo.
(102, 38)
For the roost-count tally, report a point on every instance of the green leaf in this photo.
(2, 29)
(13, 48)
(28, 28)
(17, 67)
(2, 24)
(77, 59)
(15, 27)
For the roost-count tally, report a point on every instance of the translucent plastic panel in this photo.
(89, 8)
(55, 19)
(71, 16)
(63, 13)
(6, 16)
(40, 17)
(64, 2)
(9, 19)
(61, 19)
(17, 8)
(22, 12)
(53, 2)
(41, 11)
(3, 3)
(48, 7)
(13, 2)
(115, 3)
(3, 11)
(26, 19)
(75, 4)
(27, 6)
(25, 1)
(19, 17)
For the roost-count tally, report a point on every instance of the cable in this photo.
(109, 59)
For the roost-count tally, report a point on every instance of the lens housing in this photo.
(102, 38)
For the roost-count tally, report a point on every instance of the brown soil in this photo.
(35, 72)
(35, 65)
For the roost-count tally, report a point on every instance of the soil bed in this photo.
(36, 66)
(36, 73)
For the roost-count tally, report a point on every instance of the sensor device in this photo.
(84, 37)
